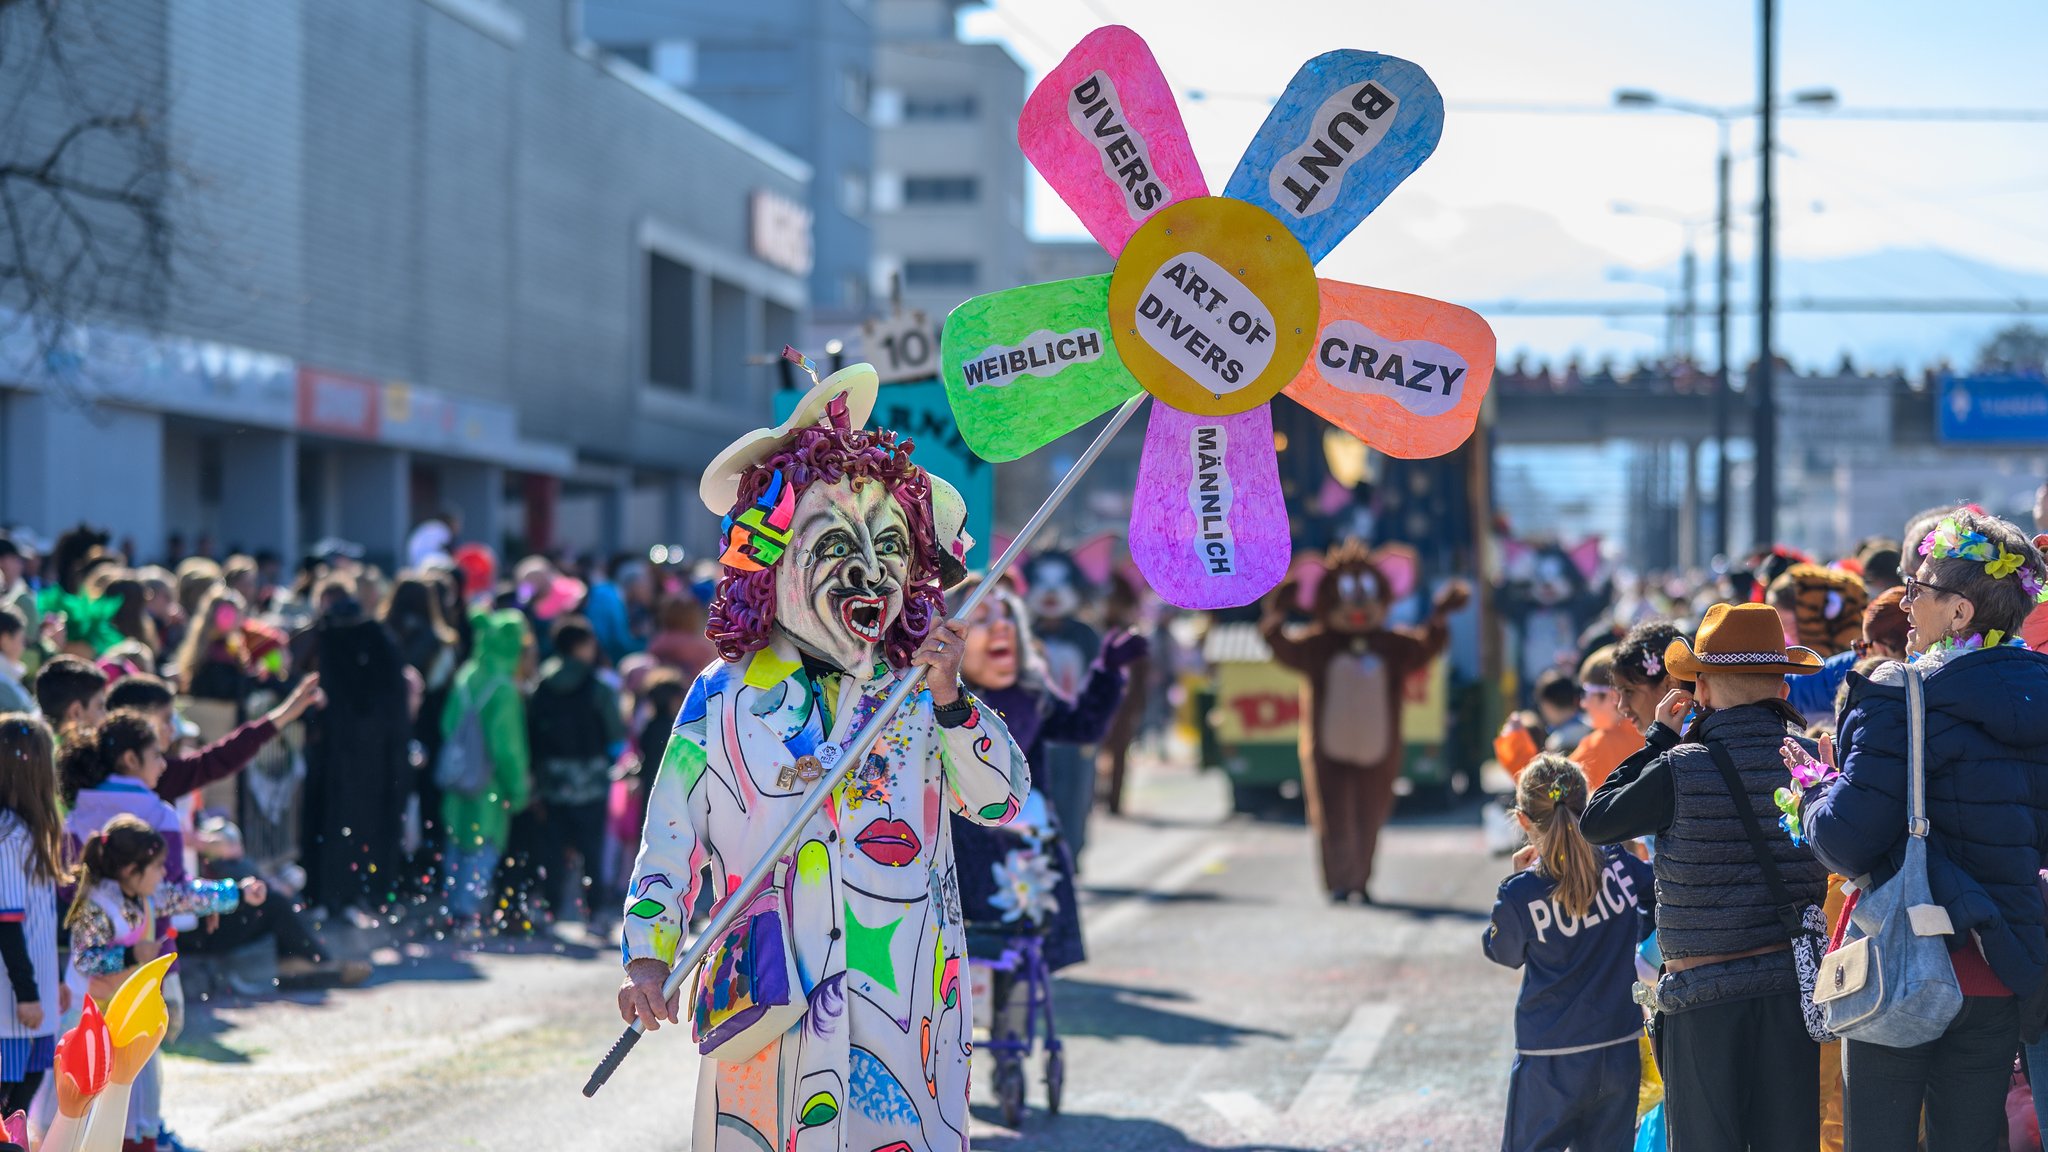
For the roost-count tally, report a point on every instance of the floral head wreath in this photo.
(1948, 541)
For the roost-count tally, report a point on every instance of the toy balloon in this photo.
(85, 1061)
(136, 1022)
(138, 1007)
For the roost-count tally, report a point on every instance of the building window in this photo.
(940, 189)
(960, 107)
(886, 192)
(671, 319)
(640, 56)
(853, 293)
(674, 62)
(854, 92)
(939, 273)
(853, 193)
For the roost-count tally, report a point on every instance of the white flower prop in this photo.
(1024, 887)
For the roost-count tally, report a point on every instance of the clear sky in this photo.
(1521, 206)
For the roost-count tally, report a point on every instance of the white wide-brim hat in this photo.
(949, 526)
(720, 488)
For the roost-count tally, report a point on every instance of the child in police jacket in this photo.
(1571, 918)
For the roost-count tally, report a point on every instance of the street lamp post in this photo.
(1723, 165)
(1763, 395)
(1764, 423)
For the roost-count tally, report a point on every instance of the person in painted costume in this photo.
(830, 589)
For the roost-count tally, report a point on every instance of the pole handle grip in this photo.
(611, 1061)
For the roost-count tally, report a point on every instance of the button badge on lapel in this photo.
(807, 769)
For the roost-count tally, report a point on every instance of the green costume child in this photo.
(478, 824)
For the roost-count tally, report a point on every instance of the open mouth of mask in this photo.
(862, 616)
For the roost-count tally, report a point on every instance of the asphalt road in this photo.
(1225, 1005)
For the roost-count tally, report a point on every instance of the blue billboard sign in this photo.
(918, 411)
(1995, 408)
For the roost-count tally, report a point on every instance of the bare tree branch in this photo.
(85, 232)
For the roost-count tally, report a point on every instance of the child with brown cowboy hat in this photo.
(1739, 1068)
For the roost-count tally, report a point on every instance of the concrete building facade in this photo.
(798, 72)
(431, 253)
(949, 178)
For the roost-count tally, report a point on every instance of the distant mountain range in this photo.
(1810, 339)
(1512, 253)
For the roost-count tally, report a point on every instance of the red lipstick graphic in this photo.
(890, 843)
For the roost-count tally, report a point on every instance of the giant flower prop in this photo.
(1214, 307)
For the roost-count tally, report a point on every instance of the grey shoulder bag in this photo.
(1892, 982)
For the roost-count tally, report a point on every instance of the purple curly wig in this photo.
(743, 610)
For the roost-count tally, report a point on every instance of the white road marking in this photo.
(1344, 1065)
(270, 1120)
(1119, 915)
(1245, 1112)
(1330, 1088)
(1109, 870)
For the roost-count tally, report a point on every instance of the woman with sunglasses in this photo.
(1986, 699)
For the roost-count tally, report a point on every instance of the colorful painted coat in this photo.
(879, 1063)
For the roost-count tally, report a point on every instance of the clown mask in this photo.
(839, 588)
(1056, 585)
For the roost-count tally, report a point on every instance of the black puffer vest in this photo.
(1711, 895)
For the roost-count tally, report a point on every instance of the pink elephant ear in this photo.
(17, 1128)
(1095, 557)
(1586, 558)
(1333, 497)
(1308, 576)
(1400, 565)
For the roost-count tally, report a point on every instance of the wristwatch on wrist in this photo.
(955, 714)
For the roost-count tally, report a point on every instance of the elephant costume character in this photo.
(830, 588)
(1353, 669)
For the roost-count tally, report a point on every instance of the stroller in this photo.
(1011, 953)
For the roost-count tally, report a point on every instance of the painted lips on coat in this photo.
(890, 843)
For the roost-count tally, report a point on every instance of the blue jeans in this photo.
(471, 869)
(2037, 1078)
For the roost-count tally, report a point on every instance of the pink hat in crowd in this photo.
(563, 595)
